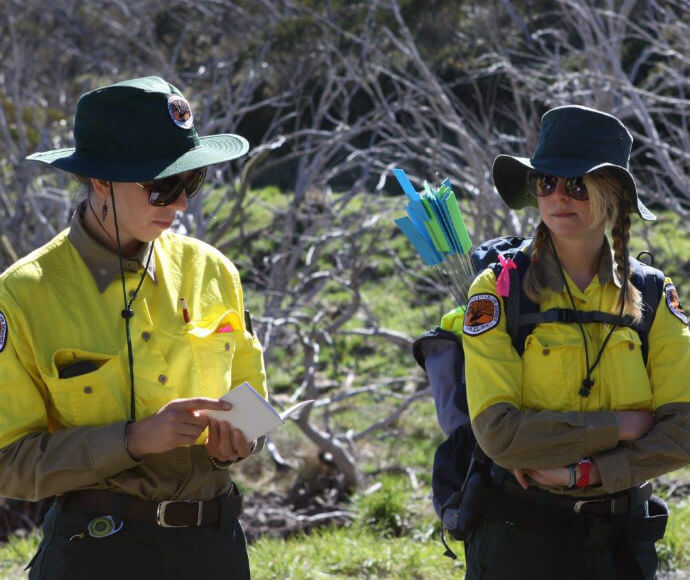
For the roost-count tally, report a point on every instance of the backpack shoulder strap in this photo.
(650, 283)
(517, 303)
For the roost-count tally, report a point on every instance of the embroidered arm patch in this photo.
(482, 314)
(673, 303)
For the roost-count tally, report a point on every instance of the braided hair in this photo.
(533, 286)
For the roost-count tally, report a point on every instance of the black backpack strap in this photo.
(650, 282)
(570, 315)
(519, 305)
(516, 303)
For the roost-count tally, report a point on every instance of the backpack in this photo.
(460, 466)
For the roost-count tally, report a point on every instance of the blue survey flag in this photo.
(435, 225)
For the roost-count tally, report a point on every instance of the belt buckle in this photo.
(163, 505)
(577, 507)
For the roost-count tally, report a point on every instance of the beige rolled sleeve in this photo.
(543, 439)
(41, 465)
(665, 448)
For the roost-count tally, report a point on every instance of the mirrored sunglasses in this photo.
(544, 184)
(165, 191)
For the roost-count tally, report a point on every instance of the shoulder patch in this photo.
(3, 331)
(673, 303)
(483, 313)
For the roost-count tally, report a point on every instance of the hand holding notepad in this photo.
(251, 413)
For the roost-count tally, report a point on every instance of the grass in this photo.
(15, 554)
(391, 538)
(331, 553)
(674, 549)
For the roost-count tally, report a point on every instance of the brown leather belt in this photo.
(166, 513)
(617, 504)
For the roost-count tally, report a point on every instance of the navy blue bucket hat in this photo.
(139, 130)
(573, 141)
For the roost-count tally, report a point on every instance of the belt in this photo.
(617, 504)
(166, 513)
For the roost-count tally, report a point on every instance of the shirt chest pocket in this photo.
(213, 344)
(624, 373)
(92, 389)
(552, 370)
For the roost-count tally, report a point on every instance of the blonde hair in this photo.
(606, 201)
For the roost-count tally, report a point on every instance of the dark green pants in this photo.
(140, 550)
(503, 551)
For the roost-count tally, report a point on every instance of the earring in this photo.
(104, 211)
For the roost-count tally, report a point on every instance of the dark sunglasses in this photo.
(165, 191)
(543, 184)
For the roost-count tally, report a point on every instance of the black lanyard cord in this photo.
(588, 382)
(127, 313)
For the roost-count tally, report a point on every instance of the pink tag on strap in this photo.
(503, 281)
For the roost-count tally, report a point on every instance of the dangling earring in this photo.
(104, 211)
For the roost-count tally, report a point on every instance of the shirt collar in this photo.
(103, 263)
(549, 271)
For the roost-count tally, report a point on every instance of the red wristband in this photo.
(585, 469)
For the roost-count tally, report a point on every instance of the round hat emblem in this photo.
(180, 112)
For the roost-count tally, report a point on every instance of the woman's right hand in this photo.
(633, 424)
(175, 424)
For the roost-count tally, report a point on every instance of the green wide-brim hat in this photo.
(573, 141)
(139, 130)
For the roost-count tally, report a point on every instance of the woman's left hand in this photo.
(225, 443)
(559, 477)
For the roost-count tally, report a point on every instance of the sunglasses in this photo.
(543, 184)
(165, 191)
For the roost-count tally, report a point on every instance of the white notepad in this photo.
(251, 413)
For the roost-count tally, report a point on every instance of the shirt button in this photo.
(181, 464)
(227, 346)
(631, 346)
(162, 379)
(546, 352)
(88, 390)
(146, 336)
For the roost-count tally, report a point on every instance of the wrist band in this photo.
(220, 464)
(585, 468)
(571, 475)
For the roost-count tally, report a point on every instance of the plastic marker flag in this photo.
(436, 229)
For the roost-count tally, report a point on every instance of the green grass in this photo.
(674, 548)
(15, 554)
(337, 553)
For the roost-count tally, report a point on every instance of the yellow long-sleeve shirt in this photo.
(63, 303)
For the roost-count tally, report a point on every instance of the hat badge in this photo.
(180, 112)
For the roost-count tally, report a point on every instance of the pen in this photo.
(185, 312)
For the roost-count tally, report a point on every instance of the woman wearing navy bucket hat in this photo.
(114, 338)
(593, 400)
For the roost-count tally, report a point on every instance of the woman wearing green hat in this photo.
(114, 338)
(598, 402)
